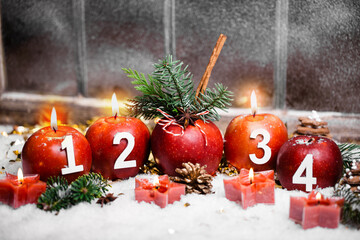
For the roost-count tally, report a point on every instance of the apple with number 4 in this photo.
(56, 151)
(307, 162)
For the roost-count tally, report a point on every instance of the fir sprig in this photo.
(171, 89)
(349, 153)
(351, 208)
(60, 195)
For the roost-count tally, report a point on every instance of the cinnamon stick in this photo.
(214, 56)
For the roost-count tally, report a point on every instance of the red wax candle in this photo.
(56, 151)
(248, 191)
(162, 193)
(17, 191)
(316, 211)
(120, 145)
(253, 141)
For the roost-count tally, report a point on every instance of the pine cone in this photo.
(313, 127)
(195, 177)
(352, 177)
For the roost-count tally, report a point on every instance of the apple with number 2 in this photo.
(307, 162)
(120, 145)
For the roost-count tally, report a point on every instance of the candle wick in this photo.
(254, 114)
(115, 115)
(54, 129)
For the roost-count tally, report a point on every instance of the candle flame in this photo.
(318, 196)
(53, 120)
(114, 105)
(20, 176)
(253, 103)
(156, 181)
(251, 175)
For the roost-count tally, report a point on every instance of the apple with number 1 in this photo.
(307, 162)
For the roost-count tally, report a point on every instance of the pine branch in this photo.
(349, 153)
(170, 88)
(60, 195)
(351, 209)
(217, 98)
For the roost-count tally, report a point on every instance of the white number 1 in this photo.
(262, 145)
(69, 146)
(120, 161)
(308, 180)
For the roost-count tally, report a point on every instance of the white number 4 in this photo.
(120, 161)
(308, 180)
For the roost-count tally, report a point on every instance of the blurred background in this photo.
(297, 55)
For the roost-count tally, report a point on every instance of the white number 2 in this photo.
(120, 161)
(69, 146)
(262, 145)
(308, 180)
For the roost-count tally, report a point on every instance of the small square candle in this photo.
(161, 192)
(249, 189)
(18, 190)
(316, 211)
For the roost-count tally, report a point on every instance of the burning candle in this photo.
(120, 145)
(316, 210)
(16, 191)
(57, 151)
(253, 141)
(161, 191)
(250, 188)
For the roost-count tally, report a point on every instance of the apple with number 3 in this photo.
(307, 162)
(253, 141)
(120, 146)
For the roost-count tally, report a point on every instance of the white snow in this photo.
(207, 217)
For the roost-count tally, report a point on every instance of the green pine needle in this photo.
(60, 195)
(349, 152)
(171, 89)
(351, 211)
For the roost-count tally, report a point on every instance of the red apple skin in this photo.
(327, 161)
(42, 153)
(171, 151)
(104, 153)
(238, 144)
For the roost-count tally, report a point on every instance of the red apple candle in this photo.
(161, 192)
(16, 191)
(315, 210)
(120, 145)
(253, 141)
(56, 151)
(249, 189)
(305, 162)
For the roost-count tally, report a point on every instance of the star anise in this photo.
(186, 117)
(106, 199)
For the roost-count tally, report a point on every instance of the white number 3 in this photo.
(262, 145)
(308, 180)
(120, 161)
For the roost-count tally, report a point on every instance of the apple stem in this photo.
(311, 140)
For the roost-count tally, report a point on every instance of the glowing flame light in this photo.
(251, 175)
(53, 119)
(115, 106)
(20, 176)
(253, 103)
(318, 196)
(156, 181)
